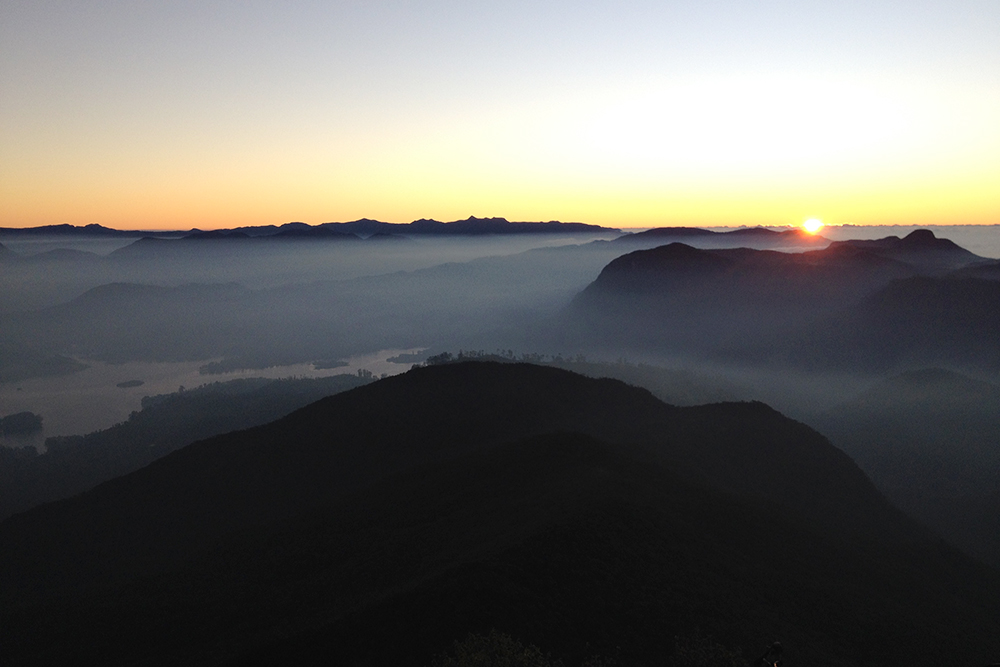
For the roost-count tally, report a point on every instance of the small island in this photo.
(129, 384)
(21, 423)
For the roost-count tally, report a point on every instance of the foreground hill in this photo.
(72, 464)
(375, 526)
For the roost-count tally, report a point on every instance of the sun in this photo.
(812, 225)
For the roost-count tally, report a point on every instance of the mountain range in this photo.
(749, 237)
(361, 228)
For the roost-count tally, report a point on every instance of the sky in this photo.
(173, 115)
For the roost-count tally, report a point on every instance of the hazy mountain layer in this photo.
(758, 238)
(930, 440)
(45, 272)
(487, 302)
(911, 323)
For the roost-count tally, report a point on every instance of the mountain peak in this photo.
(921, 237)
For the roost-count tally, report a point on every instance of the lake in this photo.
(91, 400)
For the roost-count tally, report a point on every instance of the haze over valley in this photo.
(887, 346)
(549, 334)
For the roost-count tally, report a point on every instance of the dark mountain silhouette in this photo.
(363, 227)
(665, 233)
(375, 526)
(366, 227)
(72, 464)
(20, 423)
(930, 440)
(472, 226)
(753, 237)
(866, 305)
(919, 248)
(69, 230)
(679, 297)
(469, 226)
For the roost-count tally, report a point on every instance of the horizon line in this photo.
(513, 222)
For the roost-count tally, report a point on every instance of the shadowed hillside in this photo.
(72, 464)
(930, 440)
(863, 306)
(683, 298)
(919, 248)
(375, 526)
(911, 323)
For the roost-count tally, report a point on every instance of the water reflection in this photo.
(94, 399)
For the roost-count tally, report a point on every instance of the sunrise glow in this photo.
(672, 114)
(812, 225)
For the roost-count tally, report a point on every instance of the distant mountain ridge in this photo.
(365, 227)
(749, 237)
(78, 230)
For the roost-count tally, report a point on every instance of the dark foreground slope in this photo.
(582, 515)
(72, 464)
